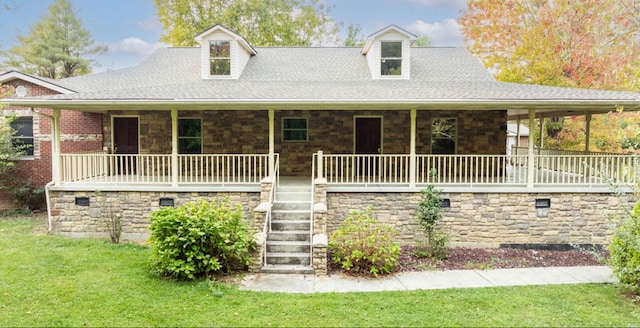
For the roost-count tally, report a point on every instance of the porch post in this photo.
(55, 149)
(530, 159)
(174, 148)
(271, 141)
(412, 150)
(518, 132)
(587, 146)
(541, 133)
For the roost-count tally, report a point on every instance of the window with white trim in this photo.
(391, 58)
(220, 57)
(23, 137)
(189, 136)
(294, 129)
(444, 135)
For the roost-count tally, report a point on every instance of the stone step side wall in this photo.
(135, 208)
(491, 219)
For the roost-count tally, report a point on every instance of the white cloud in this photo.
(150, 24)
(445, 33)
(457, 4)
(135, 46)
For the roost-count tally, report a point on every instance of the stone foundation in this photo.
(135, 208)
(492, 219)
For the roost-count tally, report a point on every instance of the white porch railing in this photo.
(157, 169)
(474, 170)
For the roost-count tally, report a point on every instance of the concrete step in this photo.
(287, 196)
(287, 269)
(291, 205)
(288, 247)
(290, 215)
(290, 235)
(287, 225)
(289, 258)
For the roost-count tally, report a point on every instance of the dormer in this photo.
(223, 53)
(388, 53)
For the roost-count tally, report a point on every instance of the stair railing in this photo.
(313, 199)
(272, 197)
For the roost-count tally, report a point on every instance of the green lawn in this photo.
(54, 281)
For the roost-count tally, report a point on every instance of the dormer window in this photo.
(391, 58)
(220, 57)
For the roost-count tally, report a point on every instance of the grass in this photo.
(54, 281)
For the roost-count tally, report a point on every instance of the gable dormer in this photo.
(388, 53)
(223, 54)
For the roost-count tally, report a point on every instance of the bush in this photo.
(27, 195)
(429, 213)
(198, 239)
(625, 251)
(362, 245)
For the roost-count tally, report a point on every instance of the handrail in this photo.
(272, 197)
(313, 198)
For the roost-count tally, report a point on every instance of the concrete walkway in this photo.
(294, 283)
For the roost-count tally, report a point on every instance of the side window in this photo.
(220, 58)
(189, 136)
(24, 134)
(444, 135)
(294, 129)
(391, 58)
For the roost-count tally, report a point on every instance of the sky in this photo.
(131, 31)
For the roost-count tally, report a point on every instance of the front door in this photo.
(368, 135)
(368, 142)
(125, 142)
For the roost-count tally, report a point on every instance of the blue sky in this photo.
(130, 29)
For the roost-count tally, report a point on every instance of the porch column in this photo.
(530, 159)
(174, 148)
(587, 146)
(541, 133)
(56, 168)
(518, 132)
(271, 141)
(412, 150)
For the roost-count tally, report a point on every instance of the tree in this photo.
(354, 36)
(56, 46)
(422, 41)
(261, 22)
(584, 43)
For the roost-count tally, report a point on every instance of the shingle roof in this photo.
(312, 74)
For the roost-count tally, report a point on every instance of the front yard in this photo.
(55, 281)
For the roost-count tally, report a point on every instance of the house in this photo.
(79, 131)
(517, 136)
(302, 135)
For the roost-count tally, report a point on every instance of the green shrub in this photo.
(429, 213)
(362, 245)
(625, 251)
(27, 195)
(197, 239)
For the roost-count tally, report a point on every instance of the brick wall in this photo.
(80, 132)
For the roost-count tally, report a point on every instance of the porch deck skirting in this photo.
(474, 219)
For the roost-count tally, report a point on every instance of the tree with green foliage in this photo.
(56, 47)
(261, 22)
(354, 36)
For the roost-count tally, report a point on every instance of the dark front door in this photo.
(368, 138)
(125, 142)
(368, 135)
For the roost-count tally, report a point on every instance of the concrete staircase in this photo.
(289, 242)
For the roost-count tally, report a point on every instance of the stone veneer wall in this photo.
(135, 207)
(247, 132)
(491, 219)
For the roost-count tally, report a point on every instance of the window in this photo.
(391, 58)
(23, 137)
(294, 129)
(189, 136)
(220, 58)
(443, 136)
